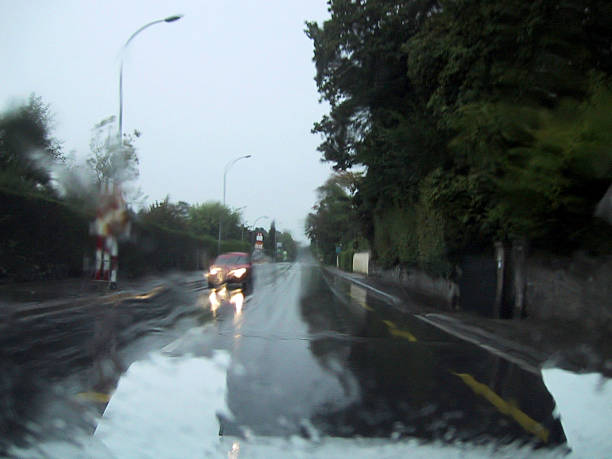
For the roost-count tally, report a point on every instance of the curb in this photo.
(28, 311)
(523, 356)
(98, 293)
(395, 300)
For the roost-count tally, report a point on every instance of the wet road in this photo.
(310, 354)
(313, 354)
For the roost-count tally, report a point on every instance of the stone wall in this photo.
(445, 291)
(576, 289)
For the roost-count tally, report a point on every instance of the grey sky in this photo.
(229, 79)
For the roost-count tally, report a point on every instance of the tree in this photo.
(288, 245)
(27, 148)
(334, 220)
(375, 118)
(111, 159)
(114, 161)
(204, 219)
(537, 52)
(562, 171)
(270, 246)
(362, 73)
(166, 215)
(461, 112)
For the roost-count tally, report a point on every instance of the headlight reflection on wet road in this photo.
(237, 299)
(218, 297)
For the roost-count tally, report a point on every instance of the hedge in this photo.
(43, 238)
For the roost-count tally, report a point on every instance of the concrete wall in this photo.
(361, 262)
(575, 289)
(442, 291)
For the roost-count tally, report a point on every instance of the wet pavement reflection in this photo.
(418, 381)
(314, 355)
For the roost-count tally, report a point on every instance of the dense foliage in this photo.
(334, 221)
(27, 149)
(474, 121)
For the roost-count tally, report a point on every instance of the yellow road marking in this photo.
(399, 333)
(507, 408)
(366, 307)
(359, 296)
(150, 294)
(130, 296)
(363, 304)
(93, 397)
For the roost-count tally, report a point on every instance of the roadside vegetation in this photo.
(48, 200)
(469, 122)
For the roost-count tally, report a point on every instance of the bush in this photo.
(40, 238)
(411, 236)
(345, 260)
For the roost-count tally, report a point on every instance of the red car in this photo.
(233, 268)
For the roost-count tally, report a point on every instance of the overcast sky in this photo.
(230, 78)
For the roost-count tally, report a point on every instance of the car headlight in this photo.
(214, 270)
(238, 273)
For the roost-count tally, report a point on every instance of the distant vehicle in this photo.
(233, 268)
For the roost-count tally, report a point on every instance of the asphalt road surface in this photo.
(310, 355)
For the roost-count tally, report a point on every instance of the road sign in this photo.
(259, 241)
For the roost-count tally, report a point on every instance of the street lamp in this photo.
(240, 209)
(109, 256)
(227, 168)
(159, 21)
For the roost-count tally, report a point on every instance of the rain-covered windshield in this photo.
(317, 228)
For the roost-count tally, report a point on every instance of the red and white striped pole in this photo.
(114, 260)
(100, 243)
(101, 231)
(111, 221)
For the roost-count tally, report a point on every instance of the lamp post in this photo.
(159, 21)
(240, 209)
(257, 219)
(107, 247)
(227, 168)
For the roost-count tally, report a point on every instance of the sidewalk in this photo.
(29, 298)
(529, 343)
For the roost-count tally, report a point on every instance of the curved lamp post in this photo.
(110, 246)
(228, 166)
(259, 218)
(159, 21)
